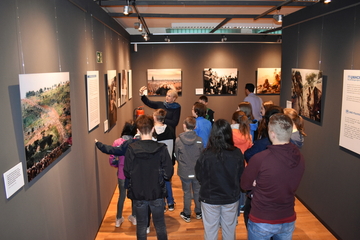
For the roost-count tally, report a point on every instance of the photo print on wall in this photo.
(159, 81)
(268, 81)
(306, 92)
(220, 81)
(45, 106)
(124, 87)
(111, 98)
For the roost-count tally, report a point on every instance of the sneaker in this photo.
(242, 209)
(199, 216)
(185, 217)
(171, 207)
(147, 230)
(119, 221)
(132, 219)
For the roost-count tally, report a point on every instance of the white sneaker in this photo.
(148, 230)
(132, 219)
(119, 221)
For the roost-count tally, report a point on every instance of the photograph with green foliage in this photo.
(45, 106)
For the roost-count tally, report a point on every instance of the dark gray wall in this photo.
(193, 58)
(330, 186)
(69, 199)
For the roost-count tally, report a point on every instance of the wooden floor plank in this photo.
(307, 226)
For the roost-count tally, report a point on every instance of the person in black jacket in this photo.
(147, 166)
(173, 109)
(219, 170)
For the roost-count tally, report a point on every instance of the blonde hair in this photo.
(173, 93)
(297, 120)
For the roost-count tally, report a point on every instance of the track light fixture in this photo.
(136, 25)
(140, 27)
(327, 1)
(145, 36)
(127, 8)
(223, 38)
(167, 39)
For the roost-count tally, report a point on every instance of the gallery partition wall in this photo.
(326, 37)
(69, 198)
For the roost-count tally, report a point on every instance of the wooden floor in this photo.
(307, 226)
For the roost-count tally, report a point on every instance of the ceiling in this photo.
(175, 17)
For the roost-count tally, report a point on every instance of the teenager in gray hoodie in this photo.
(188, 147)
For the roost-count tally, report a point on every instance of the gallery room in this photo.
(71, 73)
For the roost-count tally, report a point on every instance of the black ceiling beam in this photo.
(161, 15)
(141, 18)
(204, 3)
(225, 21)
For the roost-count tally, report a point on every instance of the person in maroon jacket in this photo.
(273, 176)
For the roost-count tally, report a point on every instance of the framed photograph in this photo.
(306, 93)
(124, 87)
(45, 106)
(119, 92)
(159, 81)
(268, 81)
(130, 84)
(220, 81)
(111, 97)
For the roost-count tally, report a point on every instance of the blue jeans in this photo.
(157, 211)
(187, 186)
(264, 231)
(169, 193)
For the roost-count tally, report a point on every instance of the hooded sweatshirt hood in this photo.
(188, 138)
(286, 153)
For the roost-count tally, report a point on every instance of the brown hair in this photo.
(200, 109)
(298, 120)
(144, 123)
(243, 121)
(190, 123)
(247, 109)
(160, 114)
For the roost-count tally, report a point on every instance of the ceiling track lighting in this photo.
(327, 1)
(145, 36)
(167, 39)
(140, 27)
(223, 38)
(127, 9)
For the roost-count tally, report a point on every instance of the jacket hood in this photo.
(297, 139)
(160, 129)
(288, 153)
(145, 147)
(188, 138)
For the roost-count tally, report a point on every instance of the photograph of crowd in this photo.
(45, 106)
(220, 81)
(307, 92)
(268, 81)
(159, 81)
(112, 98)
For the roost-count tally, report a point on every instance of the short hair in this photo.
(173, 93)
(281, 124)
(129, 128)
(200, 109)
(250, 87)
(144, 123)
(203, 98)
(190, 123)
(160, 115)
(247, 109)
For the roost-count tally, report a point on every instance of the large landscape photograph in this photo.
(45, 106)
(159, 81)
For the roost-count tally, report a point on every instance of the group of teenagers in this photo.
(252, 165)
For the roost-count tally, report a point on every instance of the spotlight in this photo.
(223, 38)
(136, 25)
(278, 17)
(145, 36)
(167, 39)
(126, 10)
(327, 1)
(140, 28)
